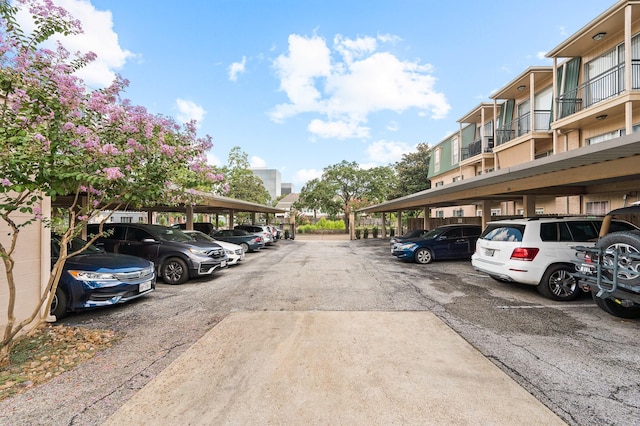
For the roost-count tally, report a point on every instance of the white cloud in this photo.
(303, 176)
(353, 81)
(257, 163)
(393, 126)
(387, 152)
(98, 37)
(237, 68)
(337, 129)
(541, 55)
(189, 110)
(213, 160)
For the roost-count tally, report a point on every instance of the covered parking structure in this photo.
(594, 169)
(211, 204)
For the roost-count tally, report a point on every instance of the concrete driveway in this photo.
(333, 368)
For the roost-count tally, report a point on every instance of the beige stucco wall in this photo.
(32, 265)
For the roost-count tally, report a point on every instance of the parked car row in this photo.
(538, 251)
(125, 262)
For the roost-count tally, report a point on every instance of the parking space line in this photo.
(546, 306)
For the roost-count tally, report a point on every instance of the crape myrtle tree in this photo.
(59, 139)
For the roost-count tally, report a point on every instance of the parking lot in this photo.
(580, 362)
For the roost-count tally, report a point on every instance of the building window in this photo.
(496, 212)
(539, 211)
(126, 219)
(440, 213)
(604, 137)
(436, 160)
(455, 150)
(457, 178)
(599, 208)
(439, 183)
(458, 213)
(479, 212)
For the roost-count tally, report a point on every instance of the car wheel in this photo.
(558, 284)
(625, 243)
(245, 247)
(617, 310)
(174, 271)
(423, 256)
(59, 304)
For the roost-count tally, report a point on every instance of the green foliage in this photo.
(375, 232)
(322, 225)
(243, 184)
(358, 233)
(413, 172)
(366, 233)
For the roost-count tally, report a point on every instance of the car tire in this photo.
(174, 271)
(423, 256)
(59, 304)
(245, 247)
(626, 242)
(615, 309)
(558, 284)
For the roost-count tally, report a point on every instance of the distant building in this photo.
(271, 179)
(286, 188)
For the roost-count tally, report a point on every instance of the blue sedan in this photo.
(94, 278)
(444, 242)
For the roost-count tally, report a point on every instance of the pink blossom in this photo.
(5, 182)
(113, 173)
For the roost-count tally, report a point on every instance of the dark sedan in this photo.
(94, 278)
(444, 242)
(415, 233)
(248, 242)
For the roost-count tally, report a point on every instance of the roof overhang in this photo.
(586, 170)
(610, 22)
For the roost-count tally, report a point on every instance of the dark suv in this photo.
(177, 257)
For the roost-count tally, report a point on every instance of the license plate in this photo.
(223, 264)
(489, 252)
(144, 286)
(586, 269)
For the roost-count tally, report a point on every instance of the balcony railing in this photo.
(603, 87)
(522, 126)
(476, 147)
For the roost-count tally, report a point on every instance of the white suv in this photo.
(538, 251)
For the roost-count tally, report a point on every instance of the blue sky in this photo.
(300, 85)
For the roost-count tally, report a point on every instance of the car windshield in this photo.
(199, 236)
(172, 234)
(434, 233)
(73, 245)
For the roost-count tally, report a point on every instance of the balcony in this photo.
(522, 126)
(606, 86)
(475, 147)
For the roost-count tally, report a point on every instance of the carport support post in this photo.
(189, 213)
(399, 223)
(230, 221)
(253, 217)
(529, 204)
(384, 225)
(486, 213)
(425, 223)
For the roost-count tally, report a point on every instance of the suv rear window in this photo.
(580, 231)
(500, 232)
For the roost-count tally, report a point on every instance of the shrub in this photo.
(366, 233)
(358, 232)
(392, 232)
(375, 232)
(287, 234)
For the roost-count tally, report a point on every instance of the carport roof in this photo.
(587, 170)
(210, 203)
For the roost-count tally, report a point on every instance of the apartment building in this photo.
(544, 127)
